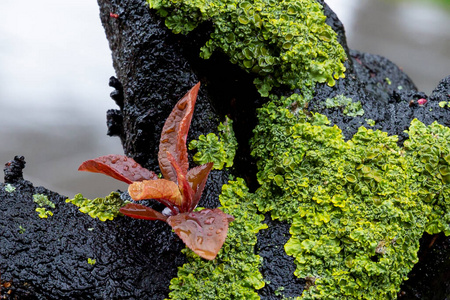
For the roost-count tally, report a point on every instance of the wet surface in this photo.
(434, 266)
(54, 79)
(51, 258)
(412, 34)
(62, 147)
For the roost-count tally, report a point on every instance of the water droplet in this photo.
(135, 165)
(211, 228)
(171, 129)
(164, 141)
(209, 234)
(125, 159)
(199, 240)
(219, 231)
(125, 168)
(132, 173)
(210, 220)
(114, 160)
(182, 105)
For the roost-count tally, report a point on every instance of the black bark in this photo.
(48, 258)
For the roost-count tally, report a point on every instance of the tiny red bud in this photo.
(112, 15)
(422, 101)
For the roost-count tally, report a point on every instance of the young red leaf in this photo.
(156, 189)
(119, 167)
(174, 134)
(204, 232)
(139, 211)
(184, 186)
(197, 178)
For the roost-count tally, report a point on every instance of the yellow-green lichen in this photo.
(443, 104)
(217, 149)
(348, 107)
(44, 213)
(357, 208)
(21, 229)
(284, 42)
(42, 201)
(9, 188)
(234, 274)
(370, 122)
(103, 208)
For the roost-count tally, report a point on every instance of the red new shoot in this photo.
(202, 231)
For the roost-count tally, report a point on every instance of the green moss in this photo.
(443, 104)
(103, 208)
(219, 150)
(9, 188)
(357, 208)
(370, 122)
(279, 291)
(42, 200)
(283, 42)
(21, 229)
(234, 274)
(44, 213)
(348, 107)
(428, 150)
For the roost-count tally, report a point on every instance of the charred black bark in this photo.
(48, 258)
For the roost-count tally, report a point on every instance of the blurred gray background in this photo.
(55, 64)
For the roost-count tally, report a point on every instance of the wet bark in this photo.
(48, 258)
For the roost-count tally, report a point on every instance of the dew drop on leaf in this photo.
(182, 105)
(209, 221)
(171, 129)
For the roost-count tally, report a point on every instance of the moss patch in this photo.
(348, 107)
(283, 42)
(357, 208)
(234, 274)
(43, 202)
(217, 149)
(103, 208)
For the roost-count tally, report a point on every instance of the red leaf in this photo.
(160, 189)
(197, 178)
(174, 134)
(204, 232)
(139, 211)
(119, 167)
(184, 186)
